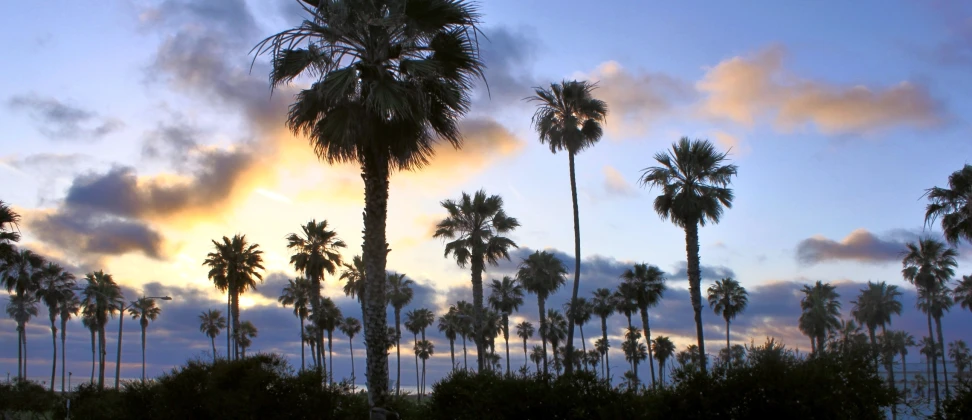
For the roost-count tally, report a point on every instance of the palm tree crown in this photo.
(953, 205)
(963, 292)
(875, 305)
(928, 263)
(316, 252)
(9, 222)
(821, 312)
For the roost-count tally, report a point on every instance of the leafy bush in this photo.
(25, 397)
(960, 405)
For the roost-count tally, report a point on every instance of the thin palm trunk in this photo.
(934, 364)
(728, 347)
(54, 341)
(890, 367)
(63, 357)
(543, 338)
(694, 273)
(351, 352)
(23, 333)
(229, 328)
(417, 381)
(647, 327)
(92, 355)
(506, 338)
(374, 250)
(330, 356)
(526, 359)
(301, 343)
(607, 365)
(577, 264)
(423, 381)
(477, 289)
(452, 353)
(465, 362)
(143, 351)
(941, 346)
(904, 369)
(20, 352)
(121, 319)
(212, 338)
(398, 351)
(103, 352)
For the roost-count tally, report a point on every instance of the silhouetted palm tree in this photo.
(475, 227)
(211, 322)
(55, 290)
(694, 179)
(424, 350)
(464, 311)
(399, 294)
(450, 326)
(103, 298)
(664, 348)
(603, 305)
(379, 110)
(821, 313)
(21, 272)
(351, 327)
(89, 319)
(901, 340)
(68, 309)
(247, 333)
(554, 330)
(959, 352)
(330, 319)
(568, 118)
(505, 297)
(525, 331)
(233, 265)
(579, 312)
(297, 293)
(634, 352)
(412, 326)
(953, 205)
(875, 305)
(144, 310)
(542, 273)
(963, 292)
(9, 234)
(22, 308)
(728, 298)
(353, 275)
(647, 284)
(312, 335)
(935, 302)
(602, 346)
(538, 355)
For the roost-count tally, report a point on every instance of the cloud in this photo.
(509, 54)
(615, 184)
(172, 140)
(636, 99)
(860, 245)
(956, 48)
(59, 121)
(709, 273)
(730, 143)
(485, 141)
(80, 233)
(743, 89)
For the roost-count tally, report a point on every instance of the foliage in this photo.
(25, 397)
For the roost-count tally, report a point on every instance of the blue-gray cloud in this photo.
(57, 120)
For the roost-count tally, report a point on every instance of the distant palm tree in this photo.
(554, 330)
(330, 320)
(353, 275)
(901, 340)
(929, 264)
(959, 352)
(68, 309)
(492, 327)
(875, 305)
(351, 327)
(247, 333)
(424, 349)
(450, 326)
(634, 351)
(647, 283)
(145, 310)
(603, 305)
(953, 205)
(728, 298)
(312, 335)
(542, 274)
(929, 348)
(579, 312)
(568, 118)
(399, 294)
(475, 227)
(22, 308)
(935, 302)
(963, 293)
(525, 331)
(625, 301)
(821, 313)
(233, 265)
(9, 223)
(505, 297)
(89, 320)
(664, 348)
(21, 272)
(297, 293)
(211, 322)
(412, 326)
(602, 346)
(464, 313)
(537, 355)
(592, 359)
(55, 290)
(694, 179)
(102, 297)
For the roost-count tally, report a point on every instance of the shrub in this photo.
(26, 397)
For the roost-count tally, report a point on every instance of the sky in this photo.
(134, 132)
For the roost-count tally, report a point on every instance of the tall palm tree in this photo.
(330, 320)
(929, 264)
(55, 290)
(821, 313)
(297, 293)
(935, 302)
(694, 179)
(963, 292)
(604, 305)
(634, 351)
(900, 341)
(450, 326)
(875, 305)
(505, 297)
(525, 331)
(647, 283)
(953, 205)
(554, 330)
(22, 308)
(68, 309)
(664, 348)
(353, 277)
(211, 322)
(475, 227)
(350, 327)
(537, 355)
(21, 272)
(144, 310)
(233, 266)
(579, 312)
(424, 350)
(542, 273)
(383, 111)
(412, 326)
(464, 313)
(89, 320)
(9, 232)
(247, 333)
(424, 319)
(568, 118)
(103, 298)
(399, 294)
(729, 299)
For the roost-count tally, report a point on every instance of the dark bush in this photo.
(26, 397)
(960, 405)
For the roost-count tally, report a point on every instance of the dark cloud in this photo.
(80, 233)
(49, 162)
(709, 273)
(860, 245)
(956, 48)
(59, 121)
(173, 140)
(509, 54)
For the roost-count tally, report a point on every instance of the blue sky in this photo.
(839, 115)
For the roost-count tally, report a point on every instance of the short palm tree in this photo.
(958, 351)
(211, 322)
(412, 326)
(935, 302)
(144, 310)
(664, 348)
(875, 305)
(579, 312)
(963, 293)
(542, 273)
(538, 355)
(382, 111)
(449, 325)
(399, 294)
(475, 227)
(22, 308)
(297, 293)
(102, 297)
(463, 311)
(694, 179)
(568, 118)
(634, 352)
(901, 340)
(312, 335)
(330, 320)
(424, 350)
(353, 275)
(603, 305)
(953, 205)
(728, 298)
(234, 265)
(602, 347)
(247, 333)
(821, 313)
(505, 297)
(68, 309)
(9, 233)
(525, 331)
(350, 327)
(647, 284)
(554, 331)
(55, 289)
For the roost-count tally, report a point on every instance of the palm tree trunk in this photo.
(904, 369)
(423, 381)
(212, 338)
(301, 343)
(330, 355)
(465, 362)
(121, 319)
(452, 353)
(728, 347)
(93, 350)
(543, 338)
(694, 276)
(20, 351)
(506, 338)
(374, 251)
(477, 289)
(351, 352)
(236, 321)
(23, 333)
(54, 340)
(607, 364)
(928, 372)
(651, 364)
(577, 264)
(941, 345)
(398, 351)
(526, 359)
(417, 381)
(934, 360)
(63, 357)
(102, 344)
(229, 328)
(143, 352)
(890, 367)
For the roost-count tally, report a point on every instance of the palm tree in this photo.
(537, 355)
(603, 305)
(602, 346)
(21, 272)
(233, 266)
(450, 326)
(312, 336)
(953, 205)
(424, 350)
(350, 327)
(211, 322)
(68, 309)
(464, 311)
(144, 309)
(579, 313)
(505, 297)
(935, 302)
(412, 326)
(55, 290)
(89, 320)
(568, 118)
(625, 301)
(330, 320)
(298, 294)
(728, 298)
(959, 352)
(634, 351)
(399, 294)
(554, 330)
(901, 341)
(963, 292)
(406, 102)
(492, 326)
(525, 331)
(9, 224)
(664, 348)
(821, 313)
(475, 227)
(247, 332)
(353, 277)
(929, 264)
(875, 305)
(542, 273)
(647, 283)
(929, 348)
(102, 297)
(22, 308)
(694, 179)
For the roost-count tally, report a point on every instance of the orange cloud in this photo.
(615, 183)
(635, 99)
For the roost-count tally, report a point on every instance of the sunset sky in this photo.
(134, 132)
